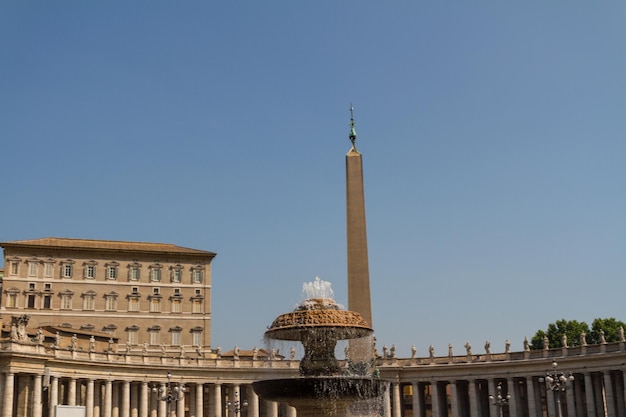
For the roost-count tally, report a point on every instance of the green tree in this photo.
(571, 328)
(611, 328)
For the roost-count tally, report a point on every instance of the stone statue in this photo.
(621, 335)
(488, 347)
(163, 350)
(583, 338)
(431, 351)
(392, 351)
(546, 342)
(292, 353)
(450, 353)
(92, 343)
(57, 339)
(507, 346)
(385, 351)
(40, 337)
(468, 348)
(236, 352)
(182, 351)
(127, 348)
(14, 335)
(564, 341)
(272, 354)
(74, 342)
(218, 351)
(255, 353)
(144, 349)
(526, 344)
(602, 337)
(413, 351)
(110, 347)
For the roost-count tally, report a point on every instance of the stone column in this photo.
(290, 411)
(473, 399)
(7, 401)
(89, 403)
(253, 403)
(115, 400)
(397, 412)
(418, 407)
(162, 404)
(621, 397)
(591, 406)
(108, 399)
(608, 392)
(37, 405)
(180, 404)
(233, 395)
(272, 409)
(217, 400)
(125, 399)
(71, 391)
(454, 399)
(551, 404)
(493, 409)
(571, 402)
(532, 399)
(134, 399)
(143, 401)
(511, 388)
(434, 399)
(54, 394)
(199, 401)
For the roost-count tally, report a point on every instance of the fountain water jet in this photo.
(322, 389)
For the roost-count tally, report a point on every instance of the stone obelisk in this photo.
(358, 266)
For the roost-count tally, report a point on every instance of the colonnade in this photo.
(591, 394)
(26, 395)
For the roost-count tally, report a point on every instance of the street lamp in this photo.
(499, 401)
(236, 406)
(170, 393)
(557, 382)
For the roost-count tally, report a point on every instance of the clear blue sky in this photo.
(493, 135)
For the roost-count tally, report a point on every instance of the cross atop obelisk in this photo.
(358, 265)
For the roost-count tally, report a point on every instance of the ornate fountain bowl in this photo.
(318, 313)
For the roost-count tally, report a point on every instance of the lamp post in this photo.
(499, 401)
(236, 406)
(170, 393)
(557, 382)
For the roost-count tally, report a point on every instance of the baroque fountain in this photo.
(324, 388)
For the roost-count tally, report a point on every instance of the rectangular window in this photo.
(48, 269)
(134, 274)
(175, 338)
(30, 301)
(196, 338)
(133, 304)
(111, 304)
(88, 303)
(132, 337)
(176, 275)
(47, 301)
(156, 275)
(197, 276)
(90, 272)
(112, 272)
(14, 268)
(67, 271)
(66, 302)
(47, 287)
(176, 306)
(196, 306)
(155, 305)
(31, 285)
(32, 269)
(11, 300)
(154, 337)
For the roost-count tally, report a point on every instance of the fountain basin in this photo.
(320, 396)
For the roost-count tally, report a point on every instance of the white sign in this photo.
(69, 411)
